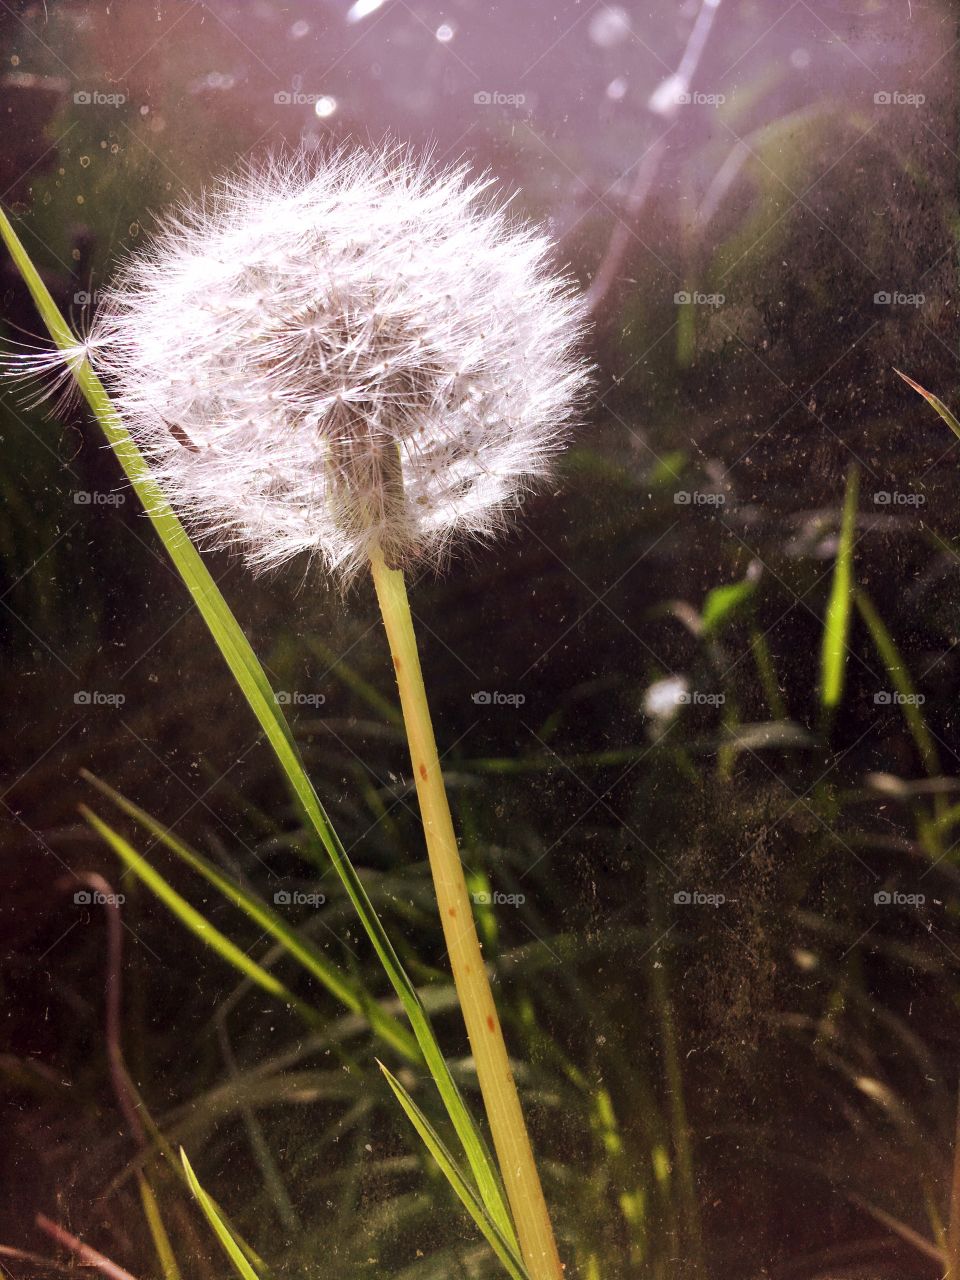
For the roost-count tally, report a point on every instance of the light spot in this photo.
(444, 33)
(609, 26)
(664, 697)
(325, 106)
(362, 9)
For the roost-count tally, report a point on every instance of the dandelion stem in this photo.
(497, 1085)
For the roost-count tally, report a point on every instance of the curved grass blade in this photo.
(300, 948)
(454, 1175)
(252, 682)
(934, 401)
(723, 601)
(833, 654)
(227, 1242)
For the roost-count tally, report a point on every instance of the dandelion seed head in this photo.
(355, 353)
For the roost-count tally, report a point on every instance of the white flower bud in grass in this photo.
(330, 357)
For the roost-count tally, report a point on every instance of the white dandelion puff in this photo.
(346, 356)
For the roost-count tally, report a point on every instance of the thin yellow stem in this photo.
(510, 1138)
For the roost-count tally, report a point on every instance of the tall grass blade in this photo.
(902, 684)
(227, 1242)
(252, 682)
(768, 675)
(158, 1232)
(833, 654)
(454, 1175)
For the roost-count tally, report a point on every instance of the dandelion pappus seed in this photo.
(328, 357)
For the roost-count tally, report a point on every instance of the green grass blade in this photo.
(158, 1232)
(253, 684)
(197, 923)
(454, 1175)
(901, 681)
(227, 1242)
(300, 948)
(933, 400)
(836, 629)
